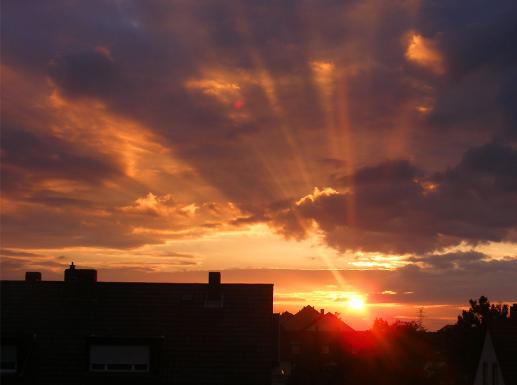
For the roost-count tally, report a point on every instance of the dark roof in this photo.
(218, 334)
(504, 338)
(329, 323)
(300, 320)
(309, 318)
(149, 309)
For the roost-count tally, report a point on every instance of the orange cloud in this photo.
(316, 193)
(423, 52)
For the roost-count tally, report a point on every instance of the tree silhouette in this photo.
(482, 313)
(463, 341)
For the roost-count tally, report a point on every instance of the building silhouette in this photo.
(80, 331)
(308, 336)
(498, 358)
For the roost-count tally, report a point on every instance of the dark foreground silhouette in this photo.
(399, 353)
(80, 331)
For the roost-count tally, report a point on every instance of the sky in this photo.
(338, 149)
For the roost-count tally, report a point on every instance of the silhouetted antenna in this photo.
(420, 317)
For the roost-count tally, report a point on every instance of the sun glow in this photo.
(356, 303)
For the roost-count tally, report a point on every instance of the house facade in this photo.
(80, 331)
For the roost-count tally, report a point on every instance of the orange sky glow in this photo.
(343, 155)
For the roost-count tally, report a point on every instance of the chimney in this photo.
(214, 295)
(214, 278)
(322, 311)
(513, 312)
(80, 275)
(32, 276)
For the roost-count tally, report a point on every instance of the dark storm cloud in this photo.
(391, 171)
(34, 33)
(452, 285)
(452, 260)
(51, 227)
(28, 158)
(469, 275)
(85, 73)
(474, 36)
(394, 207)
(274, 33)
(493, 161)
(140, 59)
(478, 43)
(153, 71)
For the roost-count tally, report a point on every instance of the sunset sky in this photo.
(338, 149)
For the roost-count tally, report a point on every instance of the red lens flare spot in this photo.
(238, 104)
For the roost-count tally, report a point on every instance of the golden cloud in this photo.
(423, 52)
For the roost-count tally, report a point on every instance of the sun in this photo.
(356, 303)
